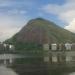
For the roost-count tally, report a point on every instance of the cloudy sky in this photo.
(14, 14)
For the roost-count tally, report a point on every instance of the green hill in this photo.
(40, 31)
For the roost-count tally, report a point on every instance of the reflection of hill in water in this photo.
(25, 67)
(31, 69)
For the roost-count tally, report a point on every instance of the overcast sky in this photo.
(14, 14)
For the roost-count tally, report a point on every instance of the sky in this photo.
(14, 14)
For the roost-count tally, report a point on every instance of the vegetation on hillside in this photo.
(38, 32)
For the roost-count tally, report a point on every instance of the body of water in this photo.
(29, 66)
(6, 71)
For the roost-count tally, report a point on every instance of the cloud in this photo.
(13, 16)
(71, 26)
(16, 3)
(9, 25)
(65, 12)
(4, 3)
(17, 11)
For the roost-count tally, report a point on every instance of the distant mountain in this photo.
(41, 31)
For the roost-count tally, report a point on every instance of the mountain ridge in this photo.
(41, 31)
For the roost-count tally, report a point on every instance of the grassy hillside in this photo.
(39, 31)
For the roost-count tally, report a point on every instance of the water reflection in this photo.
(73, 73)
(22, 66)
(6, 71)
(32, 66)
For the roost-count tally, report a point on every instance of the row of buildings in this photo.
(59, 53)
(8, 47)
(61, 46)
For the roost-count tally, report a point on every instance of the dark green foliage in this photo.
(28, 46)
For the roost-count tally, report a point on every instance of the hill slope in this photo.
(40, 31)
